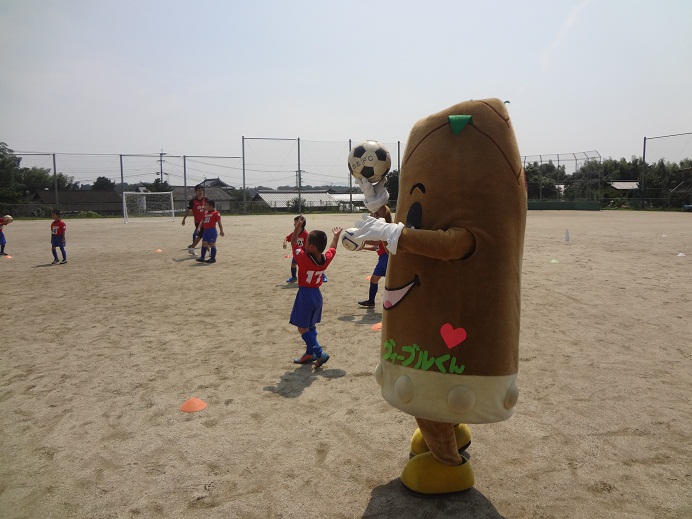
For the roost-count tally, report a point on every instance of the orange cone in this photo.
(376, 327)
(158, 250)
(192, 405)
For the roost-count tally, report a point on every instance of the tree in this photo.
(103, 184)
(157, 186)
(392, 184)
(11, 191)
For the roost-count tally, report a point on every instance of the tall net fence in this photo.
(97, 181)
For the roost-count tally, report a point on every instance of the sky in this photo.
(195, 77)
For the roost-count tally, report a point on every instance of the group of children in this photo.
(57, 236)
(206, 217)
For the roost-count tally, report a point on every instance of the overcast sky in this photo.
(193, 77)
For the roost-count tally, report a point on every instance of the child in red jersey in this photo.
(5, 220)
(208, 230)
(307, 308)
(198, 207)
(300, 242)
(57, 237)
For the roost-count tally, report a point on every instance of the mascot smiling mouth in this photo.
(414, 218)
(394, 296)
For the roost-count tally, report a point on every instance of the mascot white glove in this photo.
(376, 229)
(376, 195)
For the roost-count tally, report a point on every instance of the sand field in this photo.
(96, 357)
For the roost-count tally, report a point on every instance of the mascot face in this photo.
(452, 292)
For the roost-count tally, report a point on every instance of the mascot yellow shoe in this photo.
(449, 350)
(427, 475)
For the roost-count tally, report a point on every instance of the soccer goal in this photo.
(148, 207)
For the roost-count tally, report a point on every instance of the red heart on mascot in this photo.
(452, 336)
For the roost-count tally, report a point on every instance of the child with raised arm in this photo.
(307, 309)
(57, 237)
(300, 242)
(209, 234)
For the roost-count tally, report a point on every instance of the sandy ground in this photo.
(97, 355)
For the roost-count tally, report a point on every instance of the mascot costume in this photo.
(450, 326)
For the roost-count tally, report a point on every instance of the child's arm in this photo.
(187, 212)
(297, 229)
(335, 238)
(221, 228)
(285, 243)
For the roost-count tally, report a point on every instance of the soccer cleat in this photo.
(55, 262)
(305, 359)
(210, 260)
(324, 278)
(63, 262)
(200, 260)
(3, 254)
(292, 279)
(367, 303)
(324, 358)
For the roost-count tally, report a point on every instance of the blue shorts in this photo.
(307, 308)
(56, 241)
(381, 267)
(210, 235)
(3, 241)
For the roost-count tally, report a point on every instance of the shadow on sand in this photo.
(293, 383)
(395, 500)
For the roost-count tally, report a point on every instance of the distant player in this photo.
(196, 205)
(301, 240)
(208, 227)
(307, 308)
(5, 220)
(382, 258)
(57, 237)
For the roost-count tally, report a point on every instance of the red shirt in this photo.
(2, 222)
(381, 249)
(300, 242)
(309, 272)
(57, 228)
(197, 207)
(210, 219)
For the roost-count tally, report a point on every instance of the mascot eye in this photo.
(414, 218)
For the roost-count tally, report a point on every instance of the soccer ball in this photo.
(349, 242)
(8, 218)
(369, 160)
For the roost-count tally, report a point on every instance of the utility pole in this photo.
(161, 164)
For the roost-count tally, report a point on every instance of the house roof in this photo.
(213, 193)
(346, 197)
(625, 184)
(284, 198)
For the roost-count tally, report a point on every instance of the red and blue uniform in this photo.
(301, 240)
(57, 232)
(209, 225)
(382, 260)
(307, 308)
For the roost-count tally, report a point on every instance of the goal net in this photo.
(148, 206)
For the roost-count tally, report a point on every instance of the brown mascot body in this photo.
(450, 328)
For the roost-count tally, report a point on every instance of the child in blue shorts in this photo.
(207, 228)
(382, 258)
(57, 237)
(312, 262)
(5, 220)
